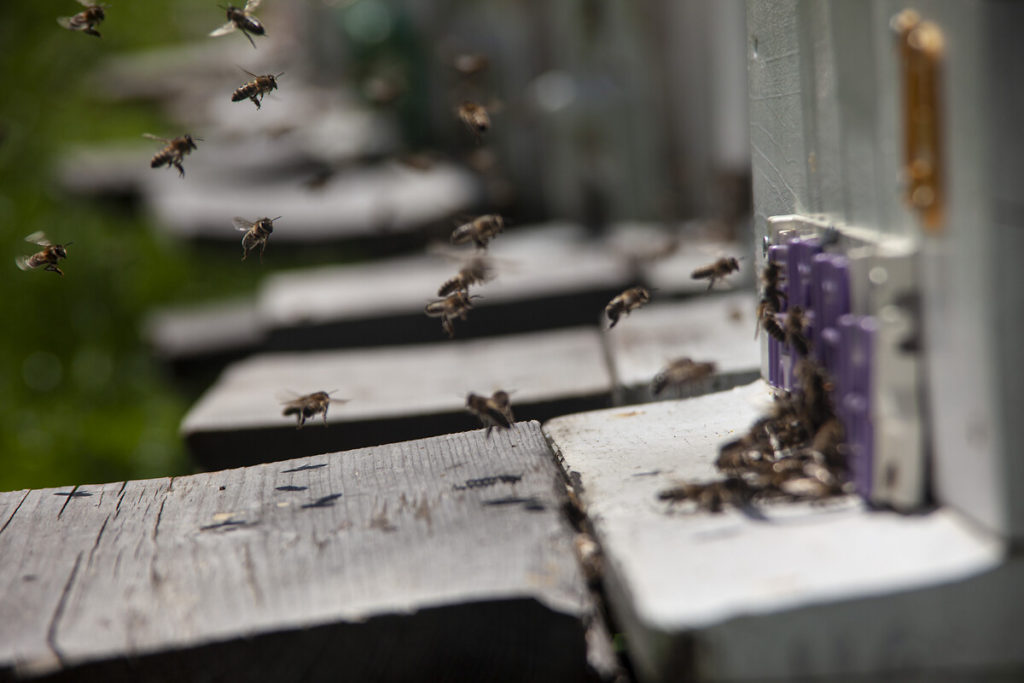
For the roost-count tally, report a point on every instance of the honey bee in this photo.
(475, 118)
(630, 300)
(242, 20)
(310, 405)
(256, 233)
(173, 152)
(717, 270)
(771, 281)
(469, 64)
(710, 496)
(796, 323)
(766, 319)
(256, 88)
(681, 371)
(480, 230)
(47, 259)
(493, 411)
(86, 20)
(477, 270)
(455, 305)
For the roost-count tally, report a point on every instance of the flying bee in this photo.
(86, 20)
(256, 88)
(477, 270)
(242, 20)
(493, 411)
(310, 405)
(796, 323)
(455, 305)
(475, 118)
(173, 152)
(469, 64)
(480, 230)
(256, 233)
(47, 259)
(717, 270)
(630, 300)
(679, 372)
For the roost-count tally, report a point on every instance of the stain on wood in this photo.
(373, 565)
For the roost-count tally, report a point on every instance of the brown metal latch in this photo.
(922, 45)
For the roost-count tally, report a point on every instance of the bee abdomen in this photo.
(242, 93)
(453, 285)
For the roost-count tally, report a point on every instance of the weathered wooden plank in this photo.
(444, 558)
(395, 393)
(547, 276)
(716, 328)
(731, 596)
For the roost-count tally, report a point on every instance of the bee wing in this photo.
(251, 5)
(84, 3)
(155, 137)
(340, 401)
(242, 224)
(69, 23)
(249, 72)
(38, 237)
(223, 30)
(22, 262)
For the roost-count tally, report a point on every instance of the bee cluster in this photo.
(794, 452)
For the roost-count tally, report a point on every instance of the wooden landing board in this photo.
(716, 327)
(443, 559)
(547, 276)
(223, 329)
(726, 596)
(395, 393)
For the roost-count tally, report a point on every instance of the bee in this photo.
(242, 20)
(815, 386)
(47, 258)
(477, 270)
(310, 405)
(480, 230)
(710, 496)
(629, 300)
(717, 270)
(796, 323)
(256, 233)
(493, 411)
(766, 319)
(771, 292)
(469, 64)
(173, 152)
(475, 118)
(455, 305)
(257, 87)
(681, 371)
(86, 20)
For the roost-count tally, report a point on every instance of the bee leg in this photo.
(246, 34)
(181, 169)
(710, 284)
(53, 268)
(487, 434)
(262, 247)
(255, 101)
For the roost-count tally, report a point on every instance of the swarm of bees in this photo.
(173, 152)
(679, 372)
(256, 88)
(493, 411)
(717, 270)
(630, 300)
(242, 20)
(795, 452)
(46, 259)
(309, 406)
(257, 233)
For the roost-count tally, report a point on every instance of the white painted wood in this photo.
(674, 575)
(532, 262)
(180, 333)
(717, 328)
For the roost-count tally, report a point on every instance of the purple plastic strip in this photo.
(853, 394)
(776, 377)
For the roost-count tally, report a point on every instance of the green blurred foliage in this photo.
(81, 401)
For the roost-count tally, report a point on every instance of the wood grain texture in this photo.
(394, 393)
(679, 581)
(425, 560)
(717, 328)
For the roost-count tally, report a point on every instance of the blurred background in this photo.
(602, 112)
